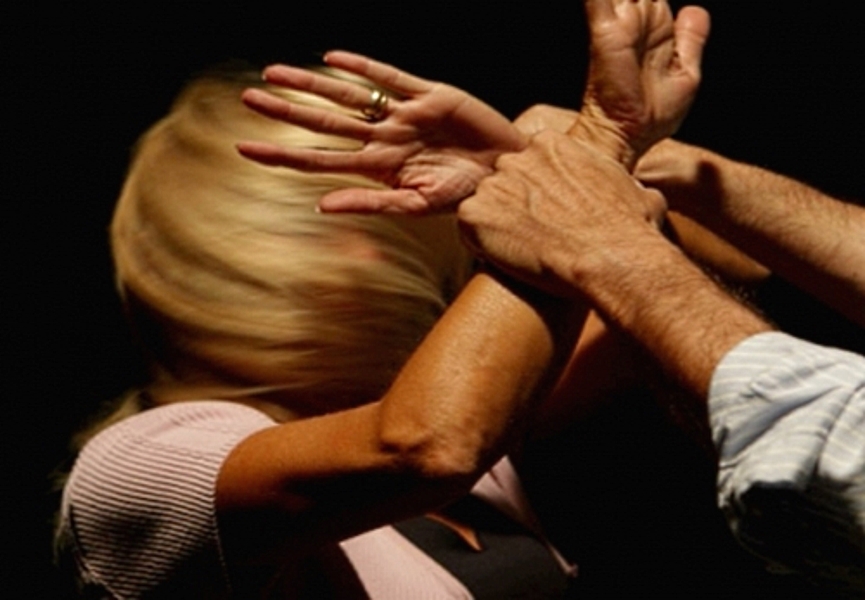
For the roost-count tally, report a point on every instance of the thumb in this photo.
(691, 33)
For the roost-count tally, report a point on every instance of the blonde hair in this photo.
(231, 279)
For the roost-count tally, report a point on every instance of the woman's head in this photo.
(233, 281)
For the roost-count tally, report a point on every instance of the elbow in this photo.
(451, 464)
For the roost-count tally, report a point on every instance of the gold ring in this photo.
(377, 105)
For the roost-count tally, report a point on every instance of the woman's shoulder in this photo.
(139, 502)
(208, 417)
(157, 447)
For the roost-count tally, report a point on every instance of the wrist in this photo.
(605, 136)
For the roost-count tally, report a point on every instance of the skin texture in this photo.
(455, 408)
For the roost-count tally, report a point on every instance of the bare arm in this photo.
(455, 408)
(810, 239)
(658, 296)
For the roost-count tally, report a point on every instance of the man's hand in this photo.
(554, 214)
(643, 75)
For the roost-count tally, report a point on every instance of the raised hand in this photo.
(643, 75)
(431, 143)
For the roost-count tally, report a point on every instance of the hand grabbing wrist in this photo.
(605, 136)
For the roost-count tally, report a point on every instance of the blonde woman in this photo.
(317, 378)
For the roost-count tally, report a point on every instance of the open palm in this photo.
(431, 145)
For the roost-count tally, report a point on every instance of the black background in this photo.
(782, 88)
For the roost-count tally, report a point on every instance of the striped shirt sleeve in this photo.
(139, 503)
(788, 421)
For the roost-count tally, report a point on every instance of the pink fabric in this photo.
(139, 503)
(139, 507)
(410, 574)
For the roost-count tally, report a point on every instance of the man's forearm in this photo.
(655, 294)
(810, 239)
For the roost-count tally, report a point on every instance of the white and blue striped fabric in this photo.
(788, 421)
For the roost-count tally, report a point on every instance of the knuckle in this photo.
(540, 111)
